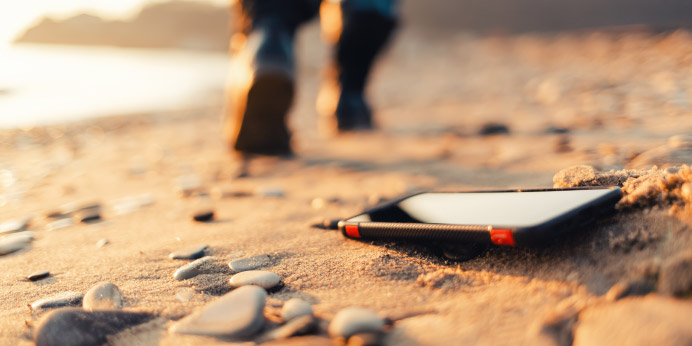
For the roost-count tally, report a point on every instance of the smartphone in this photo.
(507, 217)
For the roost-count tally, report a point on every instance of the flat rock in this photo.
(355, 320)
(191, 269)
(104, 296)
(650, 320)
(237, 314)
(13, 226)
(58, 300)
(249, 263)
(295, 307)
(15, 242)
(76, 327)
(261, 278)
(35, 276)
(193, 252)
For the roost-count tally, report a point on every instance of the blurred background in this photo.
(63, 60)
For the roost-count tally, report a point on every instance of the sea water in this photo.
(49, 84)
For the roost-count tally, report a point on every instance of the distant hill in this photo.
(196, 25)
(176, 24)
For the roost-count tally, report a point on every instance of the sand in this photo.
(619, 95)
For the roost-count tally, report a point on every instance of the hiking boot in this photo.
(359, 29)
(261, 90)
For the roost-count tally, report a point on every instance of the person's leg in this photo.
(359, 30)
(261, 82)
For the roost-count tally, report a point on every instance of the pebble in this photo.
(13, 226)
(191, 269)
(261, 278)
(295, 307)
(15, 242)
(59, 300)
(193, 252)
(59, 224)
(38, 276)
(237, 314)
(490, 129)
(556, 130)
(103, 242)
(671, 170)
(87, 215)
(249, 263)
(354, 320)
(104, 296)
(204, 215)
(297, 326)
(74, 326)
(271, 192)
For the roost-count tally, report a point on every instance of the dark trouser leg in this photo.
(365, 28)
(261, 84)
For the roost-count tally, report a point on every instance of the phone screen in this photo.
(513, 208)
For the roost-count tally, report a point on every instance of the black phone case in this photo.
(488, 234)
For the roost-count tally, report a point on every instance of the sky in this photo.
(18, 15)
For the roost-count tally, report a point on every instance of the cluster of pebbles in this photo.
(238, 315)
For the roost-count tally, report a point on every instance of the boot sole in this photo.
(262, 127)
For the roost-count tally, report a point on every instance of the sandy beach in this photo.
(606, 99)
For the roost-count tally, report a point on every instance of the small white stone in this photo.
(14, 225)
(295, 307)
(191, 269)
(104, 296)
(15, 242)
(354, 320)
(261, 278)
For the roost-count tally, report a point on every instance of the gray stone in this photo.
(193, 252)
(269, 191)
(58, 300)
(203, 215)
(355, 320)
(13, 226)
(76, 327)
(261, 278)
(297, 326)
(104, 296)
(249, 263)
(191, 269)
(238, 314)
(650, 320)
(38, 275)
(295, 307)
(15, 242)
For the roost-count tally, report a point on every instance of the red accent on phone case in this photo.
(502, 237)
(352, 231)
